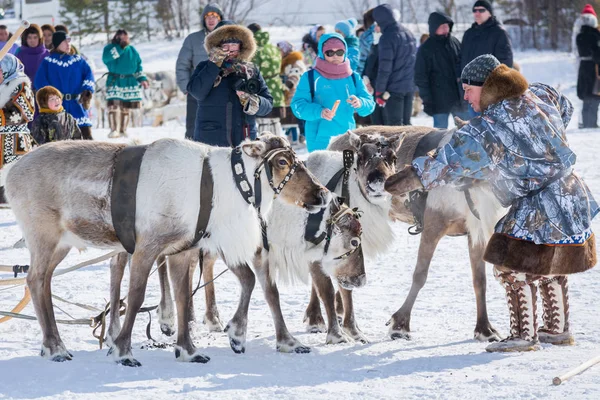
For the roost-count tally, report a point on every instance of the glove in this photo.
(86, 99)
(403, 182)
(428, 108)
(217, 56)
(250, 102)
(380, 100)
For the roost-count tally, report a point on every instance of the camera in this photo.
(249, 85)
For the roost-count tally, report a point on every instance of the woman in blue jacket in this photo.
(332, 79)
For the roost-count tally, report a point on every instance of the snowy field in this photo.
(441, 361)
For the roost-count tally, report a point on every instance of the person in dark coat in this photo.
(32, 51)
(53, 123)
(395, 75)
(588, 48)
(226, 112)
(370, 75)
(437, 72)
(485, 36)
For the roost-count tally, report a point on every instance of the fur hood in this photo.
(503, 83)
(589, 20)
(44, 93)
(248, 47)
(7, 89)
(291, 59)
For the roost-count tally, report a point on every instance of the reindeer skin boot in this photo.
(521, 296)
(112, 122)
(555, 300)
(124, 121)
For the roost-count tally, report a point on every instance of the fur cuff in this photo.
(252, 105)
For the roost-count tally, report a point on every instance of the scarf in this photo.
(49, 111)
(333, 71)
(12, 68)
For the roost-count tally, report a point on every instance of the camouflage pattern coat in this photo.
(519, 146)
(268, 61)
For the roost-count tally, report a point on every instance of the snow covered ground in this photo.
(441, 361)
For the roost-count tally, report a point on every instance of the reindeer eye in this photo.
(282, 162)
(355, 242)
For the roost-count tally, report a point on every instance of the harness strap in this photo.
(126, 174)
(206, 199)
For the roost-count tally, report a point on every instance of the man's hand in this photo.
(145, 84)
(354, 101)
(327, 114)
(217, 56)
(403, 182)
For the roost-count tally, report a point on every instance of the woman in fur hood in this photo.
(230, 90)
(519, 147)
(17, 108)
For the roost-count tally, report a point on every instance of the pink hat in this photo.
(333, 43)
(588, 9)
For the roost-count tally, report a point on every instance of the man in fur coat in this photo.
(16, 110)
(518, 146)
(227, 109)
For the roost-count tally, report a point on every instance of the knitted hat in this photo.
(485, 4)
(58, 37)
(44, 93)
(333, 43)
(588, 9)
(476, 72)
(346, 27)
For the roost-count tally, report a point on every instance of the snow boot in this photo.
(112, 122)
(521, 295)
(124, 121)
(555, 300)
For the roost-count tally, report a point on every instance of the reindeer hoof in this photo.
(59, 355)
(395, 335)
(237, 346)
(213, 324)
(337, 338)
(166, 329)
(199, 358)
(314, 323)
(487, 334)
(129, 362)
(61, 358)
(302, 350)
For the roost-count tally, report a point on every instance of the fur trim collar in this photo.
(7, 89)
(248, 47)
(503, 83)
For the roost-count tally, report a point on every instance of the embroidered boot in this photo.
(112, 122)
(555, 300)
(521, 296)
(124, 121)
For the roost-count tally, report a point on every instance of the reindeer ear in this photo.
(354, 139)
(396, 141)
(255, 148)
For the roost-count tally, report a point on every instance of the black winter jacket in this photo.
(437, 69)
(51, 127)
(487, 38)
(589, 50)
(397, 54)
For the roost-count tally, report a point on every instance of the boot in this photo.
(124, 121)
(555, 300)
(112, 122)
(521, 294)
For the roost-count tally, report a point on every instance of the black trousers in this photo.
(398, 109)
(590, 112)
(190, 116)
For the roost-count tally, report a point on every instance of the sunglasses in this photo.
(479, 10)
(331, 53)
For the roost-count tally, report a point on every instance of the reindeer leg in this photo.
(45, 257)
(180, 266)
(312, 316)
(484, 332)
(236, 328)
(323, 286)
(117, 269)
(165, 310)
(435, 226)
(286, 343)
(339, 307)
(211, 315)
(350, 326)
(141, 264)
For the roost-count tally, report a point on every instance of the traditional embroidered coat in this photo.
(70, 74)
(17, 108)
(519, 147)
(124, 73)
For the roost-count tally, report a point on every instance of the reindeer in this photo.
(290, 255)
(58, 207)
(374, 163)
(447, 212)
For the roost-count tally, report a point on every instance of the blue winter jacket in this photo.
(364, 48)
(220, 119)
(318, 131)
(352, 50)
(397, 54)
(70, 74)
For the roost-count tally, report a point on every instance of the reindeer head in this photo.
(288, 177)
(376, 161)
(343, 258)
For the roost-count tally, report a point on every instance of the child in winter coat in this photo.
(346, 29)
(53, 123)
(333, 82)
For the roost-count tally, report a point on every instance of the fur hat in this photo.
(291, 59)
(33, 28)
(44, 93)
(476, 72)
(230, 33)
(346, 27)
(503, 83)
